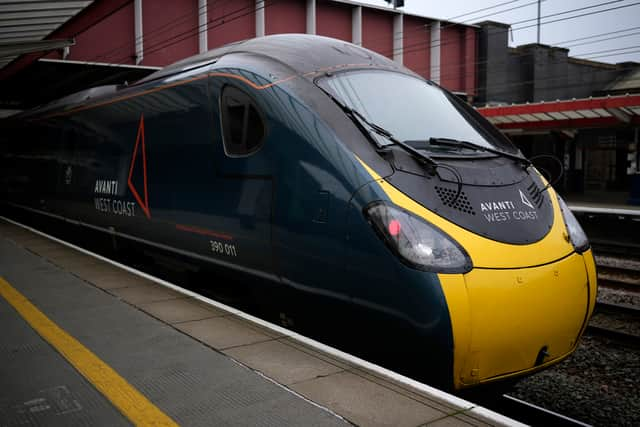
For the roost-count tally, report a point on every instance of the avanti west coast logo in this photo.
(509, 210)
(110, 195)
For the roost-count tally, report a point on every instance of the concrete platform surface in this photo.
(602, 207)
(195, 363)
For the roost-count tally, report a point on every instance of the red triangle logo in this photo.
(144, 204)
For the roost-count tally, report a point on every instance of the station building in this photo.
(582, 112)
(112, 41)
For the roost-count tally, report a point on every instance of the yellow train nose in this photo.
(508, 322)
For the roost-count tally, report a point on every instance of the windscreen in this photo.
(412, 109)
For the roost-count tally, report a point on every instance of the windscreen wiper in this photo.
(450, 142)
(423, 158)
(363, 122)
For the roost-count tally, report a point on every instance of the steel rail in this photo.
(628, 311)
(614, 334)
(625, 309)
(526, 412)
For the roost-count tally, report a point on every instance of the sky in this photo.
(624, 20)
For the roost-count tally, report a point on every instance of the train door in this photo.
(244, 178)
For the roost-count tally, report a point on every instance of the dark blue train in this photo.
(322, 168)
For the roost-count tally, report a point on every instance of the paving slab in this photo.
(142, 294)
(281, 362)
(365, 403)
(222, 333)
(181, 310)
(457, 420)
(42, 244)
(70, 261)
(405, 390)
(86, 269)
(256, 327)
(316, 353)
(114, 279)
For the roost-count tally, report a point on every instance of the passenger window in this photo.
(243, 128)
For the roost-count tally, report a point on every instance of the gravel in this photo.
(616, 322)
(598, 384)
(621, 262)
(617, 296)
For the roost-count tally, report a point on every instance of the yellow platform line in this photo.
(129, 401)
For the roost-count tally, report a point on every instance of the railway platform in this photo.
(603, 203)
(86, 341)
(595, 208)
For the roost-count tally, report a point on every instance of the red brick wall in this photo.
(110, 40)
(416, 45)
(285, 16)
(457, 58)
(377, 31)
(230, 21)
(170, 31)
(470, 58)
(333, 20)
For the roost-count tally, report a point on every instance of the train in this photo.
(316, 167)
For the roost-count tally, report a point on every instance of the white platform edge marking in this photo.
(610, 211)
(466, 406)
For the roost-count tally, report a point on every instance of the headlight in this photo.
(416, 242)
(575, 231)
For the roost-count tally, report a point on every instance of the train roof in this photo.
(303, 53)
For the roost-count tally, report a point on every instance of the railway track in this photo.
(616, 247)
(618, 271)
(526, 412)
(619, 322)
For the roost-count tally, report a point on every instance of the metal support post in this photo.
(356, 25)
(202, 26)
(139, 35)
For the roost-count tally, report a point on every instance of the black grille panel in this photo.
(461, 203)
(536, 194)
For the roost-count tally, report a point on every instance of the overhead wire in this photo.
(190, 33)
(573, 17)
(210, 24)
(597, 35)
(147, 34)
(421, 44)
(251, 9)
(427, 27)
(509, 86)
(465, 64)
(125, 58)
(452, 68)
(187, 34)
(617, 69)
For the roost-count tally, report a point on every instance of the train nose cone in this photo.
(512, 321)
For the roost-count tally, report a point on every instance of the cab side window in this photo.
(243, 128)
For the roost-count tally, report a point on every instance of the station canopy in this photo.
(608, 111)
(30, 29)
